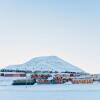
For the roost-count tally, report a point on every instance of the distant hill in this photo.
(46, 63)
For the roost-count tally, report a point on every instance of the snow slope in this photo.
(46, 63)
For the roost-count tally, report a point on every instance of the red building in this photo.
(12, 74)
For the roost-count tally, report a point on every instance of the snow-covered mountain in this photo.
(46, 63)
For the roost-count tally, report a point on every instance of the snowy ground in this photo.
(51, 92)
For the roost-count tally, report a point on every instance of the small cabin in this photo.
(12, 74)
(82, 81)
(40, 76)
(43, 81)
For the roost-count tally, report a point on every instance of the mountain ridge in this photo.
(50, 63)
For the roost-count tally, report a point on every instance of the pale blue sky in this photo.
(66, 28)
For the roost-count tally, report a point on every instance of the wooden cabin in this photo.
(82, 81)
(43, 81)
(40, 76)
(58, 79)
(12, 74)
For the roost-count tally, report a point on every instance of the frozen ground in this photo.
(51, 92)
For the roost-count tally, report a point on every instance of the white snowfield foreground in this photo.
(51, 92)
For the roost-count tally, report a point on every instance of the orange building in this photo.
(82, 81)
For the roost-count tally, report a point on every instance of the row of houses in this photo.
(61, 78)
(74, 78)
(49, 77)
(12, 74)
(82, 81)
